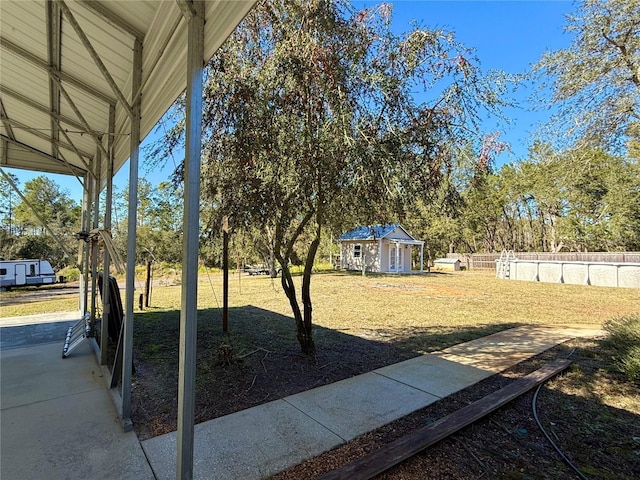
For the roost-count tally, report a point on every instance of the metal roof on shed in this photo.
(373, 232)
(54, 98)
(446, 260)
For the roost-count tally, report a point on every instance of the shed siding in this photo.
(384, 257)
(407, 258)
(369, 251)
(398, 233)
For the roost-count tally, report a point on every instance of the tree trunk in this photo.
(304, 336)
(225, 276)
(283, 254)
(308, 345)
(273, 271)
(147, 285)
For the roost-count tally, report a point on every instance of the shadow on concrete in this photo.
(34, 334)
(58, 421)
(259, 361)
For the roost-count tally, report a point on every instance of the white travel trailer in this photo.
(25, 273)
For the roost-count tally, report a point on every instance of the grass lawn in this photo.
(384, 305)
(394, 308)
(36, 300)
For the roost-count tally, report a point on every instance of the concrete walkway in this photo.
(264, 440)
(57, 420)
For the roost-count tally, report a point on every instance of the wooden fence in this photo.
(488, 260)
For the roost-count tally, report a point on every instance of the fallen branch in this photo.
(252, 383)
(254, 351)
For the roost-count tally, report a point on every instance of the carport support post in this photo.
(94, 244)
(127, 351)
(86, 223)
(189, 309)
(225, 274)
(104, 326)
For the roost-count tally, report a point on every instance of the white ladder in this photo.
(76, 333)
(503, 269)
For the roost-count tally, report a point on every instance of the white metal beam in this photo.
(60, 156)
(38, 133)
(127, 351)
(78, 153)
(41, 108)
(86, 222)
(7, 125)
(106, 305)
(36, 152)
(94, 244)
(81, 118)
(112, 19)
(96, 58)
(189, 307)
(54, 51)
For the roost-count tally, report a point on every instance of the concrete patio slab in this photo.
(38, 373)
(250, 444)
(58, 421)
(360, 404)
(434, 375)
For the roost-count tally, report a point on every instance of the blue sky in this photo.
(506, 35)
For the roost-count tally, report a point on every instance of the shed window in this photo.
(3, 271)
(357, 251)
(32, 270)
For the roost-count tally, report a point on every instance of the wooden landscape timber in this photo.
(395, 452)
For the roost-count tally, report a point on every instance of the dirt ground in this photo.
(25, 295)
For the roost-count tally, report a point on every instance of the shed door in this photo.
(393, 267)
(21, 274)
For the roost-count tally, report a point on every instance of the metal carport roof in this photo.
(55, 100)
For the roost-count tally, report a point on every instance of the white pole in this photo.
(127, 351)
(189, 307)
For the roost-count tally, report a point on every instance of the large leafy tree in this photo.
(312, 123)
(56, 209)
(598, 198)
(159, 221)
(54, 206)
(8, 201)
(596, 80)
(577, 199)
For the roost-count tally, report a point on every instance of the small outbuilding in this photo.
(451, 264)
(379, 248)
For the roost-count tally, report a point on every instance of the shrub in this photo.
(317, 267)
(623, 343)
(71, 273)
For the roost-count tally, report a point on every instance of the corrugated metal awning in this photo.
(55, 99)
